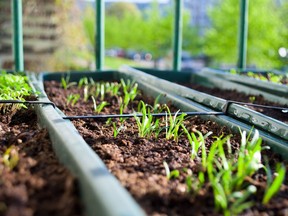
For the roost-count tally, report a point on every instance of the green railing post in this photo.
(243, 33)
(17, 34)
(177, 40)
(100, 34)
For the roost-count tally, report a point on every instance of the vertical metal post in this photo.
(17, 34)
(177, 40)
(100, 34)
(243, 33)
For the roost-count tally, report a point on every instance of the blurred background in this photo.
(59, 35)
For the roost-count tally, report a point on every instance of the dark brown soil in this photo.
(138, 162)
(241, 97)
(39, 184)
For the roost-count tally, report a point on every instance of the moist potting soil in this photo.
(37, 184)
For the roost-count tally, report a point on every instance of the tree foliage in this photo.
(128, 28)
(265, 34)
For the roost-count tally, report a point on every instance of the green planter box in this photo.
(99, 188)
(269, 87)
(162, 79)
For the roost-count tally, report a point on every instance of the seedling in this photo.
(13, 87)
(116, 130)
(173, 124)
(86, 93)
(72, 99)
(170, 174)
(65, 82)
(83, 82)
(11, 157)
(100, 107)
(252, 99)
(273, 186)
(146, 124)
(195, 142)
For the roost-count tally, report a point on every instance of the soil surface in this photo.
(138, 162)
(241, 97)
(38, 184)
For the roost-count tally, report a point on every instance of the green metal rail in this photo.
(243, 33)
(16, 6)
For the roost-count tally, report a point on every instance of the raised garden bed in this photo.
(259, 81)
(33, 182)
(243, 113)
(139, 161)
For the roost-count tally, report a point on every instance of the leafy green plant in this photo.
(227, 172)
(72, 99)
(170, 174)
(195, 142)
(65, 82)
(230, 194)
(273, 186)
(100, 107)
(116, 130)
(13, 87)
(146, 124)
(83, 82)
(173, 124)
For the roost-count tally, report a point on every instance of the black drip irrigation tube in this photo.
(224, 110)
(27, 102)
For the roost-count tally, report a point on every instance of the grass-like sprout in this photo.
(173, 124)
(65, 82)
(72, 99)
(114, 89)
(85, 93)
(170, 174)
(146, 124)
(98, 108)
(227, 172)
(130, 91)
(230, 194)
(196, 142)
(116, 130)
(273, 186)
(11, 157)
(83, 82)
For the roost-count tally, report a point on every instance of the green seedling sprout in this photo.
(173, 124)
(194, 184)
(116, 130)
(65, 82)
(102, 91)
(83, 82)
(115, 89)
(170, 174)
(72, 99)
(146, 124)
(273, 186)
(231, 191)
(252, 99)
(86, 93)
(100, 107)
(11, 157)
(130, 90)
(195, 142)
